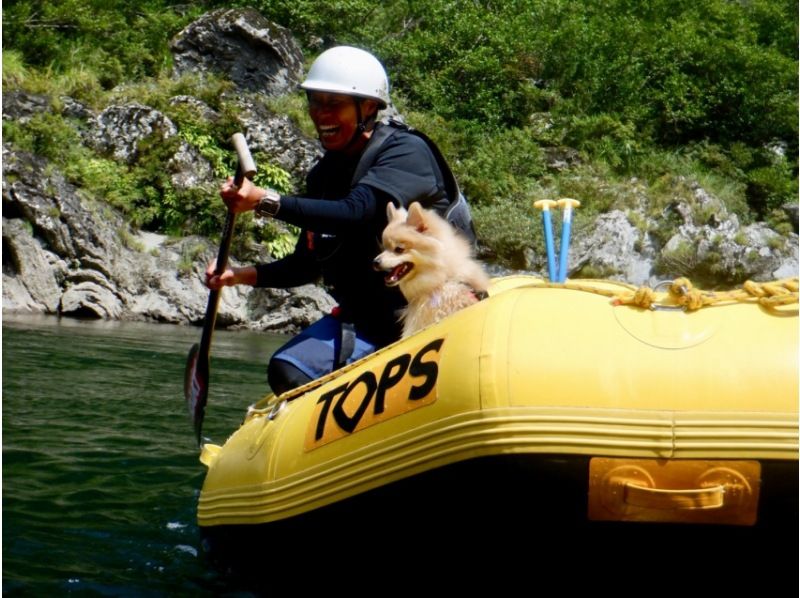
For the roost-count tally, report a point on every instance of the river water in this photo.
(100, 469)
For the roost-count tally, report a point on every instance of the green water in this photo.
(100, 469)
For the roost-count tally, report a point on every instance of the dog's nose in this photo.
(376, 263)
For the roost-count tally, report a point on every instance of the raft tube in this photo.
(553, 400)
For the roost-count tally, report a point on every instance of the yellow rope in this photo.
(769, 294)
(683, 294)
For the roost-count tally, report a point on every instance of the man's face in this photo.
(335, 117)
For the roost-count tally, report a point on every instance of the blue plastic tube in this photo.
(566, 229)
(544, 205)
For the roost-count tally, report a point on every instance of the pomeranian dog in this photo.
(431, 263)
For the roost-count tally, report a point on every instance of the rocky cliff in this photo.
(67, 253)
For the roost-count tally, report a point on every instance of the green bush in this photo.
(115, 39)
(46, 134)
(504, 165)
(769, 187)
(605, 138)
(508, 229)
(668, 91)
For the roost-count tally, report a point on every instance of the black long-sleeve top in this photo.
(342, 224)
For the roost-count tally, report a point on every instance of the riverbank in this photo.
(110, 201)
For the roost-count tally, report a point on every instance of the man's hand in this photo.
(232, 276)
(240, 199)
(215, 282)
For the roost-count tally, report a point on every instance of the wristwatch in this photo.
(269, 204)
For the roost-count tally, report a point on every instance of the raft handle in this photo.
(657, 307)
(684, 499)
(719, 491)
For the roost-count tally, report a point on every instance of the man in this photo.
(341, 219)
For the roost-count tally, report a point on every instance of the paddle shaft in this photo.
(197, 368)
(213, 295)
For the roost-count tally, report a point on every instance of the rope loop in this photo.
(682, 293)
(768, 294)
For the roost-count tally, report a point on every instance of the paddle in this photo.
(195, 381)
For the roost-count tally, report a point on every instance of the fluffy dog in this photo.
(431, 263)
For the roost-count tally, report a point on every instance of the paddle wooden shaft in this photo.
(197, 367)
(213, 295)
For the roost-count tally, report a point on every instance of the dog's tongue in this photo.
(397, 273)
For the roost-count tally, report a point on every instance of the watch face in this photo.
(269, 204)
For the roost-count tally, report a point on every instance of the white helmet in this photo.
(349, 71)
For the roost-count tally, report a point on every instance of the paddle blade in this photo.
(195, 388)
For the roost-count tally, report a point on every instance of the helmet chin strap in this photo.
(362, 125)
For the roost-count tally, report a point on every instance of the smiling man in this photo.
(342, 213)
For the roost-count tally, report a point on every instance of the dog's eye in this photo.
(399, 249)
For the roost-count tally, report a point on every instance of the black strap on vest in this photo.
(347, 345)
(457, 213)
(379, 135)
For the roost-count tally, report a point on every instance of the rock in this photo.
(30, 282)
(190, 170)
(21, 105)
(42, 199)
(65, 254)
(119, 129)
(276, 136)
(72, 108)
(561, 158)
(714, 250)
(295, 310)
(88, 299)
(612, 248)
(243, 46)
(200, 108)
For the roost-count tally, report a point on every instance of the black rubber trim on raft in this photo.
(518, 514)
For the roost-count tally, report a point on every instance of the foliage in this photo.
(45, 134)
(508, 228)
(505, 165)
(605, 138)
(293, 106)
(664, 91)
(682, 259)
(115, 39)
(278, 238)
(312, 20)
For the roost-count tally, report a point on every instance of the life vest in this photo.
(457, 212)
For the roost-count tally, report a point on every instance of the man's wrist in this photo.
(269, 204)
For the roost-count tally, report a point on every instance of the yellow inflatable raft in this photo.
(587, 401)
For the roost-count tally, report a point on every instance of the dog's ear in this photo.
(416, 217)
(393, 213)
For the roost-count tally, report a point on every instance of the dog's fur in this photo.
(431, 263)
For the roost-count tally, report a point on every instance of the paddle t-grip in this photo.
(246, 166)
